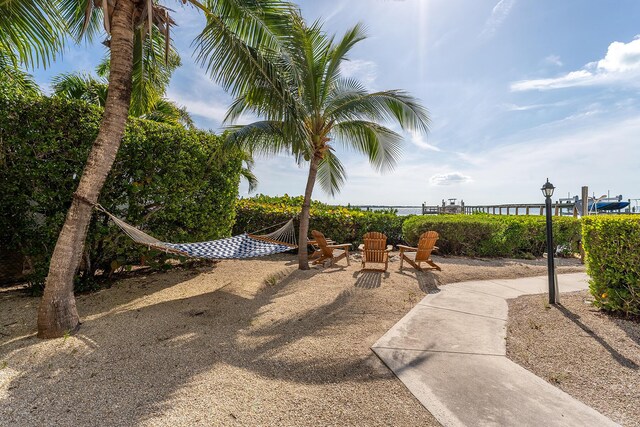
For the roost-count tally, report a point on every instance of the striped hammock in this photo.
(242, 246)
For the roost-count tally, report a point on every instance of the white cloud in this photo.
(621, 57)
(515, 107)
(553, 60)
(418, 140)
(574, 78)
(498, 15)
(364, 71)
(621, 64)
(208, 110)
(451, 178)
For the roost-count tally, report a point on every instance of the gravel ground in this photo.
(251, 343)
(589, 354)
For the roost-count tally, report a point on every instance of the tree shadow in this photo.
(417, 358)
(629, 324)
(140, 358)
(428, 281)
(622, 360)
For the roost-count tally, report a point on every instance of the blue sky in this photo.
(518, 91)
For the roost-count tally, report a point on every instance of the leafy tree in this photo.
(227, 47)
(320, 109)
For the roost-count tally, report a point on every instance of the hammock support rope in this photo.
(242, 246)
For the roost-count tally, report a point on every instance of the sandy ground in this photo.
(240, 343)
(590, 355)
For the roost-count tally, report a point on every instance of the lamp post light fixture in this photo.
(547, 190)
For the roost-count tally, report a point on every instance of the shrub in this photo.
(179, 185)
(344, 225)
(612, 247)
(494, 235)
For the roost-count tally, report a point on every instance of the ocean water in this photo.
(402, 210)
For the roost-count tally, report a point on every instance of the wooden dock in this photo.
(524, 209)
(503, 209)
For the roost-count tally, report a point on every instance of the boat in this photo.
(603, 203)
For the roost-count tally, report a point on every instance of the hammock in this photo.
(242, 246)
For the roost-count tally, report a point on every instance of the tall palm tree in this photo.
(323, 109)
(228, 47)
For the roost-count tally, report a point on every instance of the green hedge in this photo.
(342, 224)
(178, 185)
(494, 235)
(612, 246)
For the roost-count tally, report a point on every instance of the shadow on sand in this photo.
(131, 362)
(622, 360)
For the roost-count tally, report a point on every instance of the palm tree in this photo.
(323, 109)
(228, 47)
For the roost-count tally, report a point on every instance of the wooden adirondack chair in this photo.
(423, 252)
(316, 249)
(330, 252)
(375, 250)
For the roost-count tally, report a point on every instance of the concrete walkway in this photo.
(450, 352)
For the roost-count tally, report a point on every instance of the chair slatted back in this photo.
(322, 243)
(375, 246)
(425, 245)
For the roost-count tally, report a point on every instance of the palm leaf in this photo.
(17, 78)
(80, 86)
(30, 32)
(331, 173)
(228, 45)
(381, 145)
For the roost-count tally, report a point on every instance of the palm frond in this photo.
(151, 70)
(380, 144)
(166, 111)
(339, 53)
(80, 86)
(31, 32)
(236, 38)
(263, 137)
(390, 105)
(331, 173)
(17, 78)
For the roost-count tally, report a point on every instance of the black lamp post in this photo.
(547, 190)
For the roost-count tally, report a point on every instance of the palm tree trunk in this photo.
(303, 256)
(57, 314)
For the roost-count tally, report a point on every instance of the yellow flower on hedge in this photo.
(604, 295)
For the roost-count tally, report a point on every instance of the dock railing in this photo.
(524, 209)
(504, 209)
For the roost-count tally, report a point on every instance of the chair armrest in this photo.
(407, 248)
(389, 247)
(342, 245)
(313, 242)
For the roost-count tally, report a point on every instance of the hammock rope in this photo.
(242, 246)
